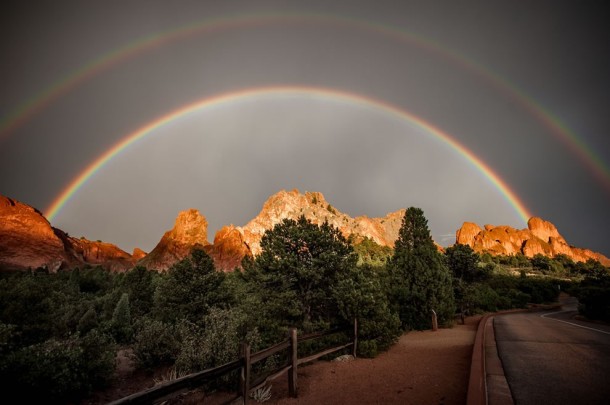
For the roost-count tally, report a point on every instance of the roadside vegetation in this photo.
(59, 333)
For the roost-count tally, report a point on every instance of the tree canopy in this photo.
(299, 265)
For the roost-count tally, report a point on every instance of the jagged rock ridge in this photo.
(28, 241)
(190, 231)
(232, 243)
(540, 237)
(313, 205)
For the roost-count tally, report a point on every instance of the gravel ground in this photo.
(421, 368)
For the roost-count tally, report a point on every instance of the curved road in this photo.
(550, 358)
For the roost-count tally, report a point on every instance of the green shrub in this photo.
(120, 324)
(367, 348)
(59, 370)
(363, 295)
(154, 343)
(215, 344)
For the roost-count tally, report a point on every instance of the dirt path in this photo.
(422, 368)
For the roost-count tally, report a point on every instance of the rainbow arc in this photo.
(279, 91)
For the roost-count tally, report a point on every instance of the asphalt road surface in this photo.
(550, 358)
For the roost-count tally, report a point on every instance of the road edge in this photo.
(477, 384)
(484, 355)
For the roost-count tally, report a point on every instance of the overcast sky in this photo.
(476, 70)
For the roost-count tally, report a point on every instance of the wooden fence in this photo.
(246, 359)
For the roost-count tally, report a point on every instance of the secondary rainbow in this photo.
(560, 130)
(332, 94)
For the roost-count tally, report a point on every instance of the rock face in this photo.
(540, 237)
(138, 254)
(190, 231)
(232, 243)
(313, 205)
(27, 240)
(229, 248)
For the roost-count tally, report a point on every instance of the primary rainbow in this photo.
(333, 94)
(556, 127)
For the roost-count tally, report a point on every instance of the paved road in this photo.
(550, 358)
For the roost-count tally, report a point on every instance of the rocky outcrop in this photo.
(190, 231)
(102, 253)
(28, 241)
(138, 254)
(313, 205)
(229, 248)
(540, 237)
(233, 243)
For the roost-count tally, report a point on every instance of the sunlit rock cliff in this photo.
(232, 243)
(313, 205)
(540, 237)
(28, 241)
(190, 231)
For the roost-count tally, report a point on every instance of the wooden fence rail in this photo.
(190, 382)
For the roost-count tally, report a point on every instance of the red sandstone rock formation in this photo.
(233, 243)
(27, 240)
(229, 248)
(138, 254)
(313, 205)
(540, 237)
(190, 231)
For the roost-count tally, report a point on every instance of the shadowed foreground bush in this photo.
(58, 370)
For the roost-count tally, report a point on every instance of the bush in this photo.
(367, 348)
(594, 293)
(217, 343)
(594, 302)
(191, 288)
(540, 290)
(154, 343)
(59, 370)
(363, 295)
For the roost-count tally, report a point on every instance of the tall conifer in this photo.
(422, 281)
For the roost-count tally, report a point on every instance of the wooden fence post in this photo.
(245, 372)
(293, 386)
(355, 336)
(434, 321)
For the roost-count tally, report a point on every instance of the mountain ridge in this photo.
(28, 241)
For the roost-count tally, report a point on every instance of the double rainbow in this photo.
(560, 130)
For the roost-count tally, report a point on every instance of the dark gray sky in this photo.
(225, 161)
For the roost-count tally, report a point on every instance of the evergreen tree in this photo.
(422, 281)
(121, 320)
(298, 267)
(191, 288)
(464, 263)
(138, 283)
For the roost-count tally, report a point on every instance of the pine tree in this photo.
(191, 287)
(299, 266)
(422, 281)
(121, 320)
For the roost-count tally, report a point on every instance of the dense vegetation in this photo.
(59, 333)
